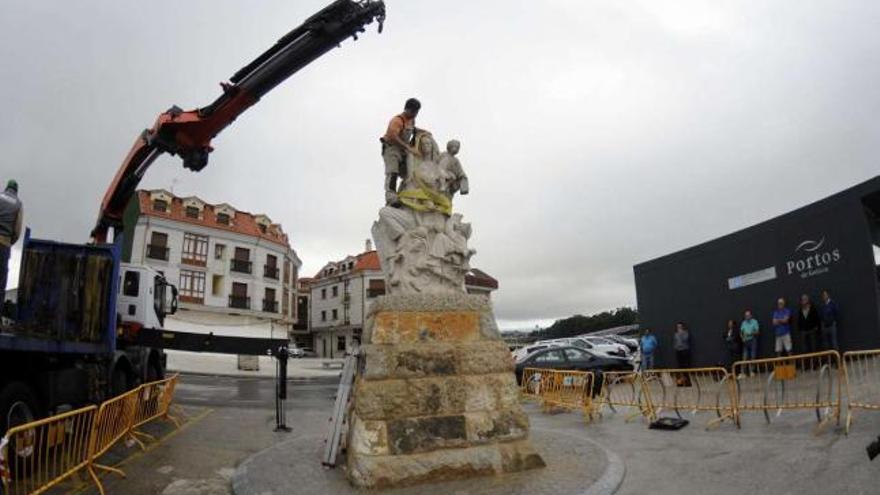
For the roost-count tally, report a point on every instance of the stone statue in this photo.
(422, 245)
(456, 180)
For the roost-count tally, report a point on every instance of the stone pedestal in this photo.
(435, 397)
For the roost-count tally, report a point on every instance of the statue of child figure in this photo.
(455, 178)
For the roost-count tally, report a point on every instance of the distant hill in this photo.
(580, 324)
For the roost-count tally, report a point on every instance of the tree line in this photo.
(580, 324)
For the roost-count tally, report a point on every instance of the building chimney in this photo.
(368, 246)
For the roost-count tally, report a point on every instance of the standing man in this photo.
(11, 214)
(397, 141)
(830, 315)
(782, 328)
(749, 330)
(648, 345)
(681, 342)
(808, 324)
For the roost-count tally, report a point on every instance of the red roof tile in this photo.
(243, 223)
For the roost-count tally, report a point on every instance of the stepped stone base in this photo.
(435, 398)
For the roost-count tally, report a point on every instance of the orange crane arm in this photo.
(189, 133)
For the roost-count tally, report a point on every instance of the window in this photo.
(192, 286)
(324, 293)
(269, 303)
(219, 251)
(340, 343)
(223, 219)
(576, 355)
(323, 316)
(217, 285)
(551, 356)
(335, 314)
(160, 205)
(262, 228)
(131, 284)
(241, 260)
(192, 212)
(239, 298)
(157, 249)
(195, 249)
(375, 287)
(271, 268)
(335, 291)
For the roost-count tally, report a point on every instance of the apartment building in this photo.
(235, 271)
(340, 293)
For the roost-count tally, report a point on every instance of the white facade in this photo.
(220, 291)
(338, 301)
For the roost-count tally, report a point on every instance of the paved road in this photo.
(251, 392)
(232, 419)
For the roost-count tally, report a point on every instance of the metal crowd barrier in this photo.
(626, 389)
(112, 423)
(862, 382)
(531, 382)
(805, 381)
(692, 390)
(153, 401)
(39, 455)
(571, 390)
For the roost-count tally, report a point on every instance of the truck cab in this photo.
(145, 297)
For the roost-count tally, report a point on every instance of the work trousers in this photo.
(829, 337)
(4, 270)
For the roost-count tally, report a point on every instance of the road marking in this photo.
(140, 453)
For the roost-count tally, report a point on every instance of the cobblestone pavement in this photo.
(232, 419)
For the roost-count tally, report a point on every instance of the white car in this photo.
(522, 352)
(295, 352)
(601, 346)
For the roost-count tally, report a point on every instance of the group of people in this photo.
(815, 324)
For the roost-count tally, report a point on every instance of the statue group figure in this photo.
(422, 244)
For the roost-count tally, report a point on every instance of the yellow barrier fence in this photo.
(153, 401)
(41, 454)
(531, 383)
(805, 381)
(570, 390)
(112, 423)
(862, 380)
(626, 389)
(692, 390)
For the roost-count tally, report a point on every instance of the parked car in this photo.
(631, 344)
(603, 346)
(522, 352)
(572, 358)
(308, 352)
(295, 352)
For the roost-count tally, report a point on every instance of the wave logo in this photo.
(810, 246)
(813, 259)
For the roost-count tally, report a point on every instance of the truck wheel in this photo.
(153, 371)
(119, 382)
(17, 406)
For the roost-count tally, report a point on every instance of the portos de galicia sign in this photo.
(811, 258)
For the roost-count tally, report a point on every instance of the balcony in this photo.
(157, 252)
(194, 259)
(270, 272)
(240, 266)
(270, 306)
(240, 302)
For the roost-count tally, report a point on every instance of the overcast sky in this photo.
(596, 134)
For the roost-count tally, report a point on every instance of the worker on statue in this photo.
(11, 214)
(397, 141)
